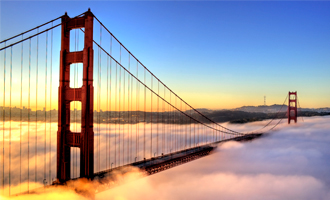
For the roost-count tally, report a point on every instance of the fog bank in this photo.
(289, 163)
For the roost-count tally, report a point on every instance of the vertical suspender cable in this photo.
(300, 109)
(110, 99)
(178, 114)
(157, 117)
(119, 117)
(50, 108)
(3, 122)
(171, 130)
(123, 116)
(97, 111)
(167, 126)
(116, 119)
(128, 112)
(194, 134)
(151, 119)
(163, 122)
(173, 139)
(123, 120)
(144, 131)
(190, 130)
(20, 128)
(204, 134)
(107, 123)
(36, 136)
(170, 124)
(185, 124)
(131, 114)
(45, 107)
(200, 134)
(176, 126)
(198, 129)
(137, 112)
(100, 81)
(119, 109)
(180, 127)
(11, 84)
(29, 110)
(119, 104)
(182, 123)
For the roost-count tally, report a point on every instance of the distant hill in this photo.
(256, 113)
(238, 115)
(275, 108)
(263, 109)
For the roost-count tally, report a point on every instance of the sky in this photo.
(214, 54)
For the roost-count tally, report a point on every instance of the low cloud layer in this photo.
(289, 163)
(81, 189)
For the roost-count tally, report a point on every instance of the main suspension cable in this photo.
(275, 117)
(21, 34)
(161, 81)
(22, 40)
(146, 87)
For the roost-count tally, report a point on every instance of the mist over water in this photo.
(28, 150)
(291, 162)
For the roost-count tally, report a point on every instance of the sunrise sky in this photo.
(213, 54)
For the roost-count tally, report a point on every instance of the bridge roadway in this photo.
(106, 179)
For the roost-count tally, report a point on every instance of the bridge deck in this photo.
(107, 179)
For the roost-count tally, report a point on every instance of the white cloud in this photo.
(289, 163)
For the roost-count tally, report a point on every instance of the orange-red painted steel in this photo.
(65, 137)
(292, 107)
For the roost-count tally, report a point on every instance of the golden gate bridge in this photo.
(123, 114)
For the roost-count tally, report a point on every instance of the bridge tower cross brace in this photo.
(85, 94)
(292, 107)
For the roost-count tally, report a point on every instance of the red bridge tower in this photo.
(292, 107)
(65, 137)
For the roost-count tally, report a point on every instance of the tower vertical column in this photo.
(87, 147)
(292, 107)
(65, 137)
